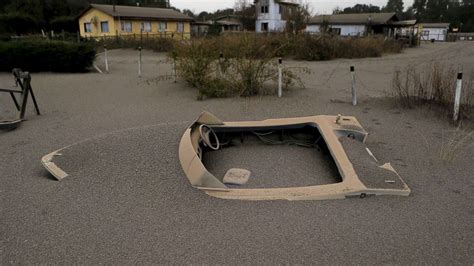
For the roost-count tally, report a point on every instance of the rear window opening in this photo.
(277, 157)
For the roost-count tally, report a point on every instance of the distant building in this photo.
(434, 31)
(200, 28)
(113, 20)
(228, 23)
(272, 15)
(354, 24)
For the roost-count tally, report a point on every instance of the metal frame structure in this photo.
(23, 81)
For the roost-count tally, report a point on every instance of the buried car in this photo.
(341, 136)
(338, 141)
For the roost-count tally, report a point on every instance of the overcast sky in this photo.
(319, 6)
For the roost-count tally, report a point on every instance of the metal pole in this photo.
(354, 93)
(280, 77)
(457, 97)
(139, 61)
(106, 59)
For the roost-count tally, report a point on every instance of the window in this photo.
(335, 31)
(104, 26)
(146, 26)
(280, 9)
(126, 26)
(87, 27)
(264, 9)
(162, 26)
(264, 26)
(180, 27)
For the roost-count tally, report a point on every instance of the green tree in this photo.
(17, 23)
(419, 8)
(245, 11)
(34, 8)
(361, 8)
(394, 6)
(189, 13)
(297, 18)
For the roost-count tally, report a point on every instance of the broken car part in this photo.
(343, 137)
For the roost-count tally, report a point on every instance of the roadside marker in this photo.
(354, 93)
(139, 61)
(280, 77)
(457, 97)
(106, 59)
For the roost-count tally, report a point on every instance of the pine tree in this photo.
(394, 6)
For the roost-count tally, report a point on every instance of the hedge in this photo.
(54, 56)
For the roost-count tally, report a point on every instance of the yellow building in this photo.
(113, 20)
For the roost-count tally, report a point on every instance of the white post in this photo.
(174, 70)
(219, 65)
(106, 59)
(354, 93)
(280, 77)
(139, 61)
(457, 97)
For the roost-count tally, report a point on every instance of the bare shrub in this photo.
(195, 60)
(327, 47)
(248, 64)
(454, 143)
(434, 86)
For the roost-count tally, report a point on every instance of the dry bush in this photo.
(454, 143)
(248, 64)
(155, 43)
(195, 60)
(434, 86)
(327, 47)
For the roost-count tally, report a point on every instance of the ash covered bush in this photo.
(248, 66)
(434, 85)
(196, 60)
(54, 56)
(327, 47)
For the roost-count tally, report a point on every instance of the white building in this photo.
(434, 31)
(271, 14)
(352, 24)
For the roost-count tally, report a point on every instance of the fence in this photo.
(76, 37)
(461, 36)
(144, 36)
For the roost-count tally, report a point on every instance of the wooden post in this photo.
(457, 97)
